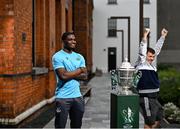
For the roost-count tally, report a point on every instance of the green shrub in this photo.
(164, 66)
(170, 85)
(172, 113)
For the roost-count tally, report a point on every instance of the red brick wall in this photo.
(19, 89)
(6, 37)
(7, 57)
(83, 28)
(23, 24)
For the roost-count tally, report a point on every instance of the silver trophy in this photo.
(125, 75)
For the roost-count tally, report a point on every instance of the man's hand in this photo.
(83, 70)
(83, 75)
(164, 32)
(145, 34)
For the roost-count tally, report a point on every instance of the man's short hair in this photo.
(65, 35)
(150, 50)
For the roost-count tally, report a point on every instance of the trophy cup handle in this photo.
(136, 77)
(114, 79)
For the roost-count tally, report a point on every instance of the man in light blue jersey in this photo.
(69, 68)
(148, 85)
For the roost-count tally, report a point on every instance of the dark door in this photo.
(111, 58)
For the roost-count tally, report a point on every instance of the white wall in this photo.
(150, 10)
(101, 41)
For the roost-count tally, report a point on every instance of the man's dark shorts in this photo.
(151, 110)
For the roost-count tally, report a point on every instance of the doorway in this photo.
(111, 58)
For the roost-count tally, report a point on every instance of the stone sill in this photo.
(39, 70)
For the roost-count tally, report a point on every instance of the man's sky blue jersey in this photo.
(70, 62)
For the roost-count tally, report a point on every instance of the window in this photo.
(146, 1)
(112, 24)
(112, 1)
(39, 37)
(146, 23)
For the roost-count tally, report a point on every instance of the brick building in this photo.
(30, 33)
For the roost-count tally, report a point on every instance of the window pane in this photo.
(146, 23)
(112, 23)
(111, 33)
(112, 1)
(146, 1)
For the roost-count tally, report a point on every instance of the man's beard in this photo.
(69, 48)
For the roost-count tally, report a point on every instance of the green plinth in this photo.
(124, 111)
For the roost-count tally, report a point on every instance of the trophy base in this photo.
(122, 91)
(126, 91)
(124, 111)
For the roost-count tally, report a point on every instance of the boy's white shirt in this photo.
(141, 62)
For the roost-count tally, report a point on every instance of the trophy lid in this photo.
(126, 65)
